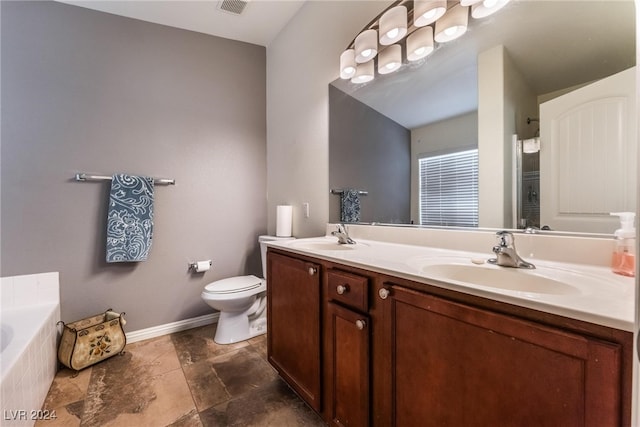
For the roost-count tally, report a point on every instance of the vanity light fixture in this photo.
(393, 25)
(390, 59)
(348, 64)
(366, 46)
(487, 7)
(420, 43)
(431, 21)
(426, 12)
(453, 24)
(364, 73)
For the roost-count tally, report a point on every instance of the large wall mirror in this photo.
(381, 132)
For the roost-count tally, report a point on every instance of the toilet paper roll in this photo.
(202, 266)
(284, 216)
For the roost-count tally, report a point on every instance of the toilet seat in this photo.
(233, 285)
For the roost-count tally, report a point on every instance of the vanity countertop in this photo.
(594, 294)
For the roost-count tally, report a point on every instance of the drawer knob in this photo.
(342, 289)
(384, 293)
(361, 324)
(312, 271)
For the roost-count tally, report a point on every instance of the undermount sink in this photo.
(324, 245)
(543, 280)
(507, 278)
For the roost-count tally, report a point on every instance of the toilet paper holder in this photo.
(194, 267)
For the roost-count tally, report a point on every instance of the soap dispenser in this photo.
(623, 260)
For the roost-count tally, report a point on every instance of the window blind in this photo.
(449, 189)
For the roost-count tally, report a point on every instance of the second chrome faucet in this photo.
(342, 235)
(506, 254)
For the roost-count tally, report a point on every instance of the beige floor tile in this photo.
(158, 354)
(206, 388)
(171, 403)
(63, 418)
(68, 386)
(195, 345)
(242, 371)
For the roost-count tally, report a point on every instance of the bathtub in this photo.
(29, 311)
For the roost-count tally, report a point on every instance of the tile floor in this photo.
(183, 379)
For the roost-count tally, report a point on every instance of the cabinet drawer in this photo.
(349, 289)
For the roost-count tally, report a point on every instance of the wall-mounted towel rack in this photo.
(340, 191)
(87, 177)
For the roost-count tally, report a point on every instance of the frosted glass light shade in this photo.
(469, 2)
(393, 25)
(487, 7)
(390, 59)
(364, 73)
(426, 12)
(348, 64)
(420, 43)
(366, 46)
(453, 24)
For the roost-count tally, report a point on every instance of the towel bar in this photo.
(360, 192)
(87, 177)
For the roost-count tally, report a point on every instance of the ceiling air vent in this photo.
(232, 6)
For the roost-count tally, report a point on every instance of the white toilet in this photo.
(241, 301)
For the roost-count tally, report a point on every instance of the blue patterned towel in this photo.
(350, 206)
(130, 218)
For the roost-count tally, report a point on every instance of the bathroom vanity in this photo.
(371, 343)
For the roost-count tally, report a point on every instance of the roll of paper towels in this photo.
(202, 266)
(284, 216)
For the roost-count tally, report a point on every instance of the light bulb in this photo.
(367, 53)
(451, 30)
(490, 3)
(393, 33)
(430, 14)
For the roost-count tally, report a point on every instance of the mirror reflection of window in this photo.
(448, 193)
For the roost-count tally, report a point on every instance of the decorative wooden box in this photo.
(91, 340)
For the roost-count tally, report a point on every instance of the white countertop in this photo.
(601, 297)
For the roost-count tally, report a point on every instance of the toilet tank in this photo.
(263, 250)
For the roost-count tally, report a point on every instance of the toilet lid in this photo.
(233, 284)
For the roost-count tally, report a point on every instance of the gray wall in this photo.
(371, 152)
(85, 91)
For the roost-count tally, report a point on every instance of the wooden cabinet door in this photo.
(293, 331)
(456, 365)
(348, 368)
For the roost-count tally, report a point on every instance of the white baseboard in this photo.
(169, 328)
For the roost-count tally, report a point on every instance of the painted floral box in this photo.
(91, 340)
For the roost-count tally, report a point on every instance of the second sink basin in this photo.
(529, 281)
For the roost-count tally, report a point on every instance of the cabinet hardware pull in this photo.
(312, 271)
(361, 324)
(384, 293)
(342, 289)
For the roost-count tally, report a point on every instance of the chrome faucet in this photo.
(506, 255)
(342, 235)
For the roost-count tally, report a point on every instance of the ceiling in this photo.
(555, 44)
(259, 23)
